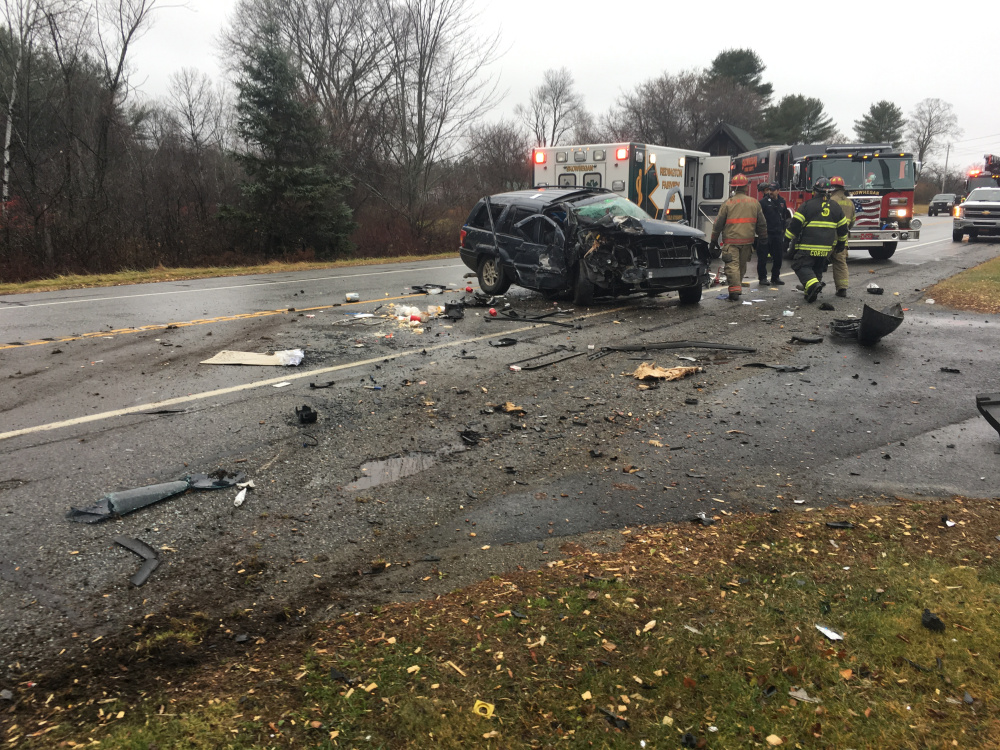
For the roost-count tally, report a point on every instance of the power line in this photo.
(977, 138)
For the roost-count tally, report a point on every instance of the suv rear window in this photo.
(480, 217)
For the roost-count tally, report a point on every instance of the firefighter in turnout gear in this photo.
(740, 220)
(817, 229)
(775, 213)
(839, 260)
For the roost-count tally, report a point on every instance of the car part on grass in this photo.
(703, 519)
(287, 358)
(873, 326)
(659, 345)
(127, 501)
(502, 342)
(989, 406)
(614, 720)
(306, 414)
(806, 340)
(779, 368)
(931, 621)
(833, 635)
(143, 550)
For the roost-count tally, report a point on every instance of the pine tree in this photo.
(743, 67)
(798, 119)
(293, 200)
(882, 123)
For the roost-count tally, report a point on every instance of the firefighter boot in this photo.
(842, 292)
(812, 289)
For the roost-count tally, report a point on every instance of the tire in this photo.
(956, 235)
(492, 277)
(583, 289)
(883, 253)
(690, 295)
(931, 213)
(973, 235)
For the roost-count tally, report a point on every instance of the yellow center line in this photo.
(273, 381)
(200, 322)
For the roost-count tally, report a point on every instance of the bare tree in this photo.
(498, 157)
(553, 108)
(930, 121)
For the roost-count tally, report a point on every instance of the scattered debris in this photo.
(931, 621)
(660, 345)
(454, 310)
(827, 307)
(287, 358)
(503, 342)
(779, 368)
(143, 550)
(703, 519)
(306, 414)
(840, 524)
(484, 709)
(806, 340)
(510, 408)
(428, 288)
(873, 326)
(952, 370)
(216, 480)
(240, 497)
(989, 406)
(874, 288)
(833, 635)
(647, 371)
(801, 695)
(615, 720)
(6, 695)
(324, 385)
(522, 364)
(788, 314)
(281, 385)
(352, 297)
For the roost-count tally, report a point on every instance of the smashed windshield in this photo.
(872, 174)
(593, 208)
(985, 194)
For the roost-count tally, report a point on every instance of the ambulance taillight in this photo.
(621, 154)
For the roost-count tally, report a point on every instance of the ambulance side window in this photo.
(592, 180)
(712, 186)
(567, 180)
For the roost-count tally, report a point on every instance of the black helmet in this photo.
(822, 185)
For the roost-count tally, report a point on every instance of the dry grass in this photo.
(686, 631)
(973, 289)
(154, 275)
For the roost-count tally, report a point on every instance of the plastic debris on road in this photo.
(647, 371)
(287, 358)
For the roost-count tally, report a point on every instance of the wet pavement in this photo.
(384, 475)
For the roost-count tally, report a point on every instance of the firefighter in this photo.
(839, 260)
(817, 229)
(775, 212)
(739, 221)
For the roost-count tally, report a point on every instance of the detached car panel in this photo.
(586, 242)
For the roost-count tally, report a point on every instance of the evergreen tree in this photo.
(798, 119)
(745, 68)
(293, 200)
(882, 123)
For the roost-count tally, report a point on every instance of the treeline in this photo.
(343, 126)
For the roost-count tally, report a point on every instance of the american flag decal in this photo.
(866, 212)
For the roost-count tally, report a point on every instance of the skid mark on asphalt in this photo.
(198, 322)
(229, 288)
(273, 381)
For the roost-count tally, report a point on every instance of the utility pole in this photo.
(944, 174)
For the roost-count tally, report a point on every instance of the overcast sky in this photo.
(814, 49)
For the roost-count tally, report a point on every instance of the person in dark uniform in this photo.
(817, 229)
(775, 213)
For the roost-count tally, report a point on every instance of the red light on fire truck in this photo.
(621, 154)
(539, 157)
(975, 172)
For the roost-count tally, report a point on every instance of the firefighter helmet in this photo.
(739, 180)
(838, 182)
(822, 185)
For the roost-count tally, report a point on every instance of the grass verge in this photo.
(976, 289)
(153, 275)
(687, 637)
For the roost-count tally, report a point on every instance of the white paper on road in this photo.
(287, 358)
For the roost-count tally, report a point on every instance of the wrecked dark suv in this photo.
(581, 242)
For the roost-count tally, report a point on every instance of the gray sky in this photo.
(908, 54)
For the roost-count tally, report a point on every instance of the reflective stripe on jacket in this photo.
(819, 227)
(846, 204)
(740, 220)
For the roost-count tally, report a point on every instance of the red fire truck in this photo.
(988, 177)
(879, 180)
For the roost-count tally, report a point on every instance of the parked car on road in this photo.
(583, 242)
(979, 214)
(942, 203)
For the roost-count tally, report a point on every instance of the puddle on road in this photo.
(390, 469)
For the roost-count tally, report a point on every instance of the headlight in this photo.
(959, 212)
(901, 212)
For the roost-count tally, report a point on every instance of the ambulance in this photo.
(673, 184)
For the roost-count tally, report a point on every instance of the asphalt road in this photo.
(591, 454)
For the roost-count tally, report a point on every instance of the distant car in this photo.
(581, 242)
(979, 214)
(942, 203)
